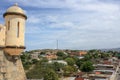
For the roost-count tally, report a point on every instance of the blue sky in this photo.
(76, 24)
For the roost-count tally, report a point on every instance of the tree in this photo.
(25, 57)
(42, 53)
(95, 56)
(34, 61)
(70, 61)
(68, 70)
(61, 55)
(105, 55)
(75, 58)
(79, 63)
(87, 57)
(50, 75)
(87, 67)
(57, 66)
(36, 72)
(44, 59)
(42, 70)
(93, 51)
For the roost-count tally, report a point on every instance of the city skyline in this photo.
(76, 24)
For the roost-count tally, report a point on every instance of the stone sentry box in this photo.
(15, 28)
(12, 44)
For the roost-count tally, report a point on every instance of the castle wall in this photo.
(2, 35)
(9, 69)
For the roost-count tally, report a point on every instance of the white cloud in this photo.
(34, 20)
(89, 24)
(63, 25)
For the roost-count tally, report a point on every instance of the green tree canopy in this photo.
(68, 70)
(34, 61)
(60, 53)
(88, 57)
(70, 61)
(79, 63)
(57, 66)
(42, 53)
(50, 75)
(87, 67)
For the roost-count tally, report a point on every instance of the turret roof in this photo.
(16, 9)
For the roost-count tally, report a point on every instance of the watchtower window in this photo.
(8, 25)
(18, 28)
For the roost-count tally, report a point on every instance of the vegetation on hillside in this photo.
(42, 69)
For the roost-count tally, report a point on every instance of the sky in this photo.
(75, 24)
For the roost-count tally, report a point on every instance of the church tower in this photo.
(12, 44)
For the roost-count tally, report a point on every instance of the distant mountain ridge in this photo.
(112, 49)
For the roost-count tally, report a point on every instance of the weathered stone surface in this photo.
(11, 69)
